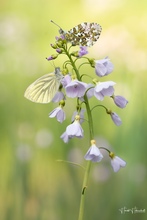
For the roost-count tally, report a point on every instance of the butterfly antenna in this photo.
(61, 30)
(52, 64)
(56, 24)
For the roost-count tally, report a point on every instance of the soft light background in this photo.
(33, 185)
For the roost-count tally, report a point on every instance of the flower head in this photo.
(75, 129)
(58, 112)
(83, 51)
(65, 137)
(58, 50)
(52, 57)
(103, 67)
(58, 97)
(75, 89)
(116, 119)
(81, 114)
(66, 80)
(116, 162)
(61, 37)
(93, 153)
(120, 101)
(103, 89)
(90, 90)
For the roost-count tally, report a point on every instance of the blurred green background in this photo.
(33, 185)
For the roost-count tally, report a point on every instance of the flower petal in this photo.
(93, 154)
(117, 163)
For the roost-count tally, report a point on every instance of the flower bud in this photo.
(62, 103)
(54, 46)
(52, 57)
(75, 54)
(65, 71)
(59, 50)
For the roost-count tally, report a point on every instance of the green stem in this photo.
(89, 118)
(87, 170)
(85, 185)
(73, 64)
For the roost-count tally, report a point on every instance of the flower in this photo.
(66, 80)
(103, 89)
(75, 89)
(81, 114)
(116, 119)
(65, 137)
(120, 101)
(82, 51)
(90, 90)
(58, 97)
(61, 37)
(52, 57)
(54, 46)
(58, 112)
(103, 67)
(59, 50)
(93, 153)
(116, 162)
(75, 129)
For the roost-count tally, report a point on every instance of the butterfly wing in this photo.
(44, 89)
(84, 34)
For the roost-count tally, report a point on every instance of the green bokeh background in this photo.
(33, 185)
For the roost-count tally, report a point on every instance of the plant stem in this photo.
(72, 63)
(85, 185)
(87, 170)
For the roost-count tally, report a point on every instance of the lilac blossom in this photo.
(103, 89)
(52, 57)
(83, 51)
(75, 89)
(75, 129)
(66, 80)
(81, 114)
(116, 119)
(120, 101)
(90, 90)
(58, 113)
(61, 37)
(58, 97)
(65, 137)
(93, 153)
(116, 162)
(103, 67)
(58, 50)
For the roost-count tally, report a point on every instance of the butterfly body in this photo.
(44, 89)
(84, 34)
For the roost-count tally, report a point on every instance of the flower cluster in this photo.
(72, 86)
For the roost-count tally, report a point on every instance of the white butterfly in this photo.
(44, 89)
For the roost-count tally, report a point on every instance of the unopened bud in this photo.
(52, 57)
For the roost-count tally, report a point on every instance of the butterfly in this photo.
(44, 89)
(84, 34)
